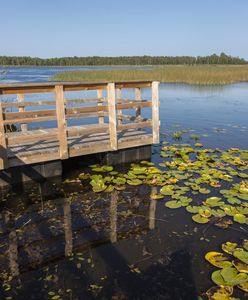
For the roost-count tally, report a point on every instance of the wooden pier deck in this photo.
(24, 143)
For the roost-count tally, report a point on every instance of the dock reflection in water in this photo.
(85, 246)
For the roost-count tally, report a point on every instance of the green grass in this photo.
(199, 75)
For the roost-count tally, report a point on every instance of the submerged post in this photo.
(155, 112)
(112, 116)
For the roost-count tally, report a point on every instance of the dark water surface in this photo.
(124, 245)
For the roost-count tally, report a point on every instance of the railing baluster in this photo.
(62, 126)
(138, 98)
(3, 145)
(20, 99)
(119, 111)
(155, 112)
(99, 103)
(112, 116)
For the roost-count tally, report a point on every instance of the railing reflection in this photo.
(76, 226)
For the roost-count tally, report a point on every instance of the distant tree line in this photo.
(222, 59)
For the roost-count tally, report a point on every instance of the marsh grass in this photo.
(199, 75)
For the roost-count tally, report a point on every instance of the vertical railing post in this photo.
(99, 103)
(62, 126)
(20, 99)
(155, 112)
(3, 144)
(119, 111)
(112, 116)
(137, 98)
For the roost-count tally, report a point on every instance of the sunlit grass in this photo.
(201, 75)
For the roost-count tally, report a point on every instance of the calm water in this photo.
(124, 246)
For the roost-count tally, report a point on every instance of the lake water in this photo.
(124, 245)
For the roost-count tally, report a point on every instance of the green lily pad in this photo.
(218, 259)
(241, 255)
(220, 293)
(192, 209)
(245, 244)
(199, 219)
(240, 266)
(232, 277)
(135, 181)
(243, 287)
(155, 196)
(240, 218)
(214, 201)
(229, 247)
(173, 204)
(217, 278)
(205, 212)
(119, 180)
(167, 190)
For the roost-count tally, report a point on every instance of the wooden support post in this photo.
(155, 112)
(20, 99)
(119, 111)
(113, 216)
(62, 130)
(3, 145)
(112, 116)
(99, 103)
(138, 98)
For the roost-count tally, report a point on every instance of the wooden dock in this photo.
(113, 129)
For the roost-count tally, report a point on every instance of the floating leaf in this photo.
(217, 278)
(167, 190)
(232, 277)
(192, 209)
(173, 204)
(229, 247)
(134, 181)
(220, 293)
(241, 255)
(243, 287)
(218, 259)
(240, 266)
(213, 201)
(199, 219)
(155, 196)
(239, 218)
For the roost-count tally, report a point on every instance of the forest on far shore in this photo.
(222, 59)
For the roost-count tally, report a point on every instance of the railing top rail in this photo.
(22, 88)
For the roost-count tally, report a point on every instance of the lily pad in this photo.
(167, 190)
(241, 255)
(220, 293)
(240, 218)
(218, 259)
(229, 247)
(199, 219)
(243, 287)
(135, 181)
(173, 204)
(240, 266)
(232, 277)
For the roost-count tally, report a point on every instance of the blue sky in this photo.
(49, 28)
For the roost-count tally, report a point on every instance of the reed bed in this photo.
(198, 75)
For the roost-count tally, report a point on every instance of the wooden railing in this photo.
(22, 113)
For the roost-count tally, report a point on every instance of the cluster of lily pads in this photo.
(184, 179)
(233, 270)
